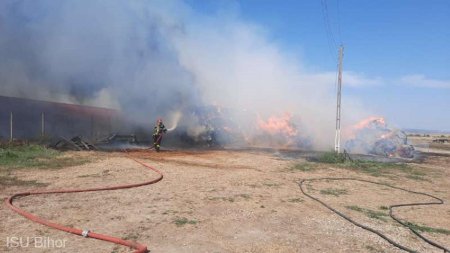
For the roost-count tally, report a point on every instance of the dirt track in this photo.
(225, 201)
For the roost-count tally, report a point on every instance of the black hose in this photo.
(437, 202)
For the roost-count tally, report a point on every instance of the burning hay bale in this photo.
(373, 136)
(213, 127)
(282, 125)
(280, 131)
(208, 126)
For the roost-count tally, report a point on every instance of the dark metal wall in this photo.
(60, 119)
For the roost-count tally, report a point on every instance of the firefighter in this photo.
(158, 131)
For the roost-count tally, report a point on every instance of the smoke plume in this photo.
(154, 58)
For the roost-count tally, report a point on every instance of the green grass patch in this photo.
(376, 168)
(232, 198)
(305, 167)
(244, 196)
(416, 175)
(379, 169)
(229, 199)
(369, 213)
(115, 249)
(25, 156)
(373, 249)
(427, 229)
(331, 157)
(8, 180)
(333, 191)
(15, 156)
(132, 236)
(35, 156)
(373, 168)
(295, 200)
(170, 212)
(183, 221)
(89, 175)
(271, 184)
(383, 208)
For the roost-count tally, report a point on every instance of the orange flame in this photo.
(279, 125)
(370, 122)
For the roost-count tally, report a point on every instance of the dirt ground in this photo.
(227, 201)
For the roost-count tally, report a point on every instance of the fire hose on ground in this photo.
(140, 248)
(437, 201)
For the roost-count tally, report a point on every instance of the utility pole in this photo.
(337, 139)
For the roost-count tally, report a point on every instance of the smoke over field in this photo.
(163, 59)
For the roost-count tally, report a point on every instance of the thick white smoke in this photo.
(108, 53)
(151, 58)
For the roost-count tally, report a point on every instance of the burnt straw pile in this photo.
(373, 136)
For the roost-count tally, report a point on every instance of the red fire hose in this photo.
(140, 248)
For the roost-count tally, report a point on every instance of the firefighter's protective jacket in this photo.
(159, 129)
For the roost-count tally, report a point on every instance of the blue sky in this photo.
(403, 46)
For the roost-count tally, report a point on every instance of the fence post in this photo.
(42, 124)
(11, 127)
(109, 125)
(92, 128)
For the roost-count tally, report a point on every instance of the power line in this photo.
(332, 39)
(328, 27)
(327, 33)
(339, 22)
